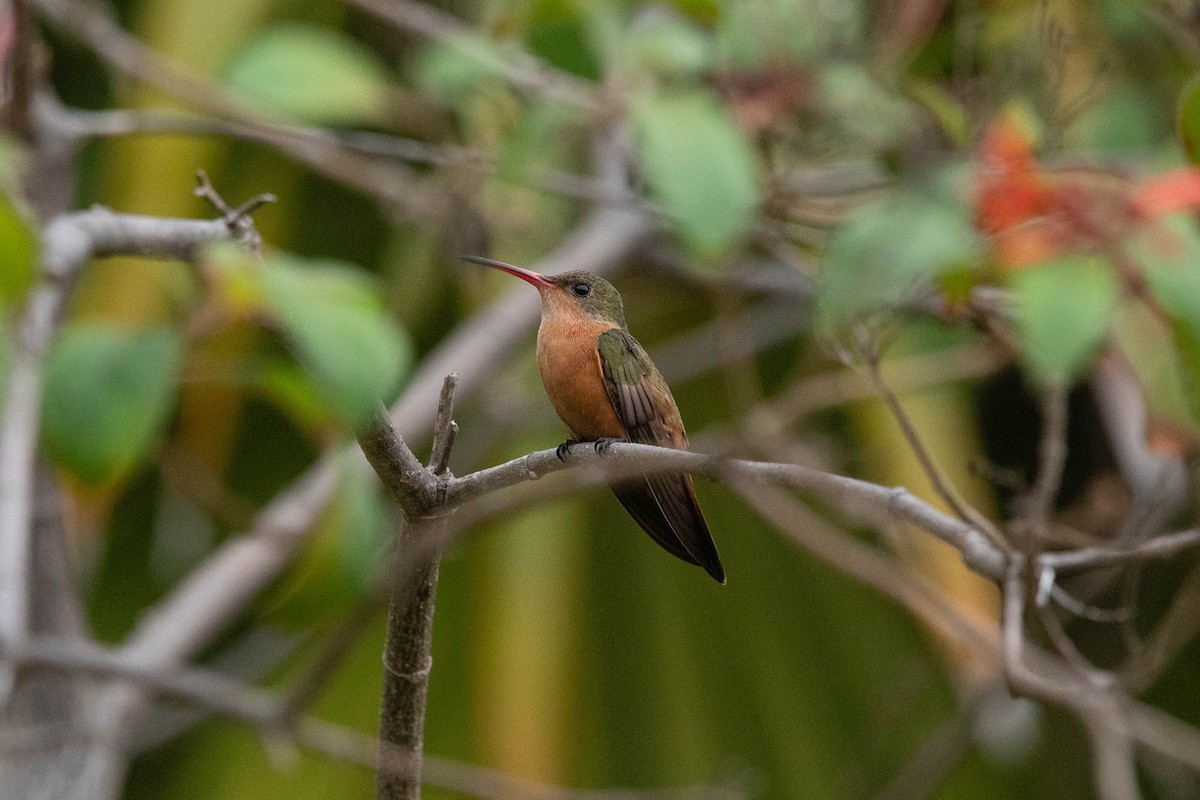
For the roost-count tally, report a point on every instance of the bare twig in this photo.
(932, 762)
(235, 699)
(941, 484)
(391, 183)
(1052, 457)
(1160, 547)
(445, 429)
(524, 71)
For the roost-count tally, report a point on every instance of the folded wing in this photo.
(663, 505)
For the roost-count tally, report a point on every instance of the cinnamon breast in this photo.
(569, 362)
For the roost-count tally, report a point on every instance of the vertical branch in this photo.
(407, 652)
(1114, 760)
(1052, 458)
(445, 429)
(406, 664)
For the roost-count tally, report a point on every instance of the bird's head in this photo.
(568, 293)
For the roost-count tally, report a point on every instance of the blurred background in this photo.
(569, 649)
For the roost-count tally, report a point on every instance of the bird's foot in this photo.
(564, 448)
(602, 444)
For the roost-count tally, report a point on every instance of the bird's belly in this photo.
(570, 366)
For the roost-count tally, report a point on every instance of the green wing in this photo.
(663, 505)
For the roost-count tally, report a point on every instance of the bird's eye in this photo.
(582, 289)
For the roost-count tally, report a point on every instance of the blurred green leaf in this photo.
(449, 74)
(538, 137)
(558, 33)
(344, 557)
(700, 167)
(1189, 120)
(866, 111)
(1161, 363)
(756, 33)
(1169, 255)
(312, 74)
(668, 45)
(703, 11)
(329, 314)
(108, 394)
(887, 249)
(1187, 347)
(18, 247)
(1063, 311)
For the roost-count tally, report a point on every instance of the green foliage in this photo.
(700, 167)
(1189, 120)
(310, 74)
(344, 558)
(17, 251)
(1063, 311)
(449, 74)
(337, 330)
(667, 45)
(1169, 256)
(558, 33)
(108, 395)
(862, 109)
(887, 249)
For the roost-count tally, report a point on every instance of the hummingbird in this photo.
(605, 388)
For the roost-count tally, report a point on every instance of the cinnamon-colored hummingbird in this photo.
(606, 389)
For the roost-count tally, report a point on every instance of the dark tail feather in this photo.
(665, 507)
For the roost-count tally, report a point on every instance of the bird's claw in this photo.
(602, 444)
(564, 448)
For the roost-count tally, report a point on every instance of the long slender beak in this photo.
(529, 276)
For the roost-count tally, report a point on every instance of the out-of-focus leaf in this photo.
(312, 74)
(558, 34)
(17, 251)
(700, 168)
(451, 75)
(1169, 255)
(344, 557)
(887, 249)
(108, 395)
(668, 45)
(867, 112)
(1127, 121)
(338, 333)
(703, 11)
(1063, 311)
(950, 114)
(539, 136)
(1189, 120)
(1152, 350)
(755, 33)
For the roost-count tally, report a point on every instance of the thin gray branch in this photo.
(524, 71)
(859, 500)
(445, 429)
(264, 711)
(66, 244)
(1164, 546)
(941, 484)
(1052, 458)
(389, 182)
